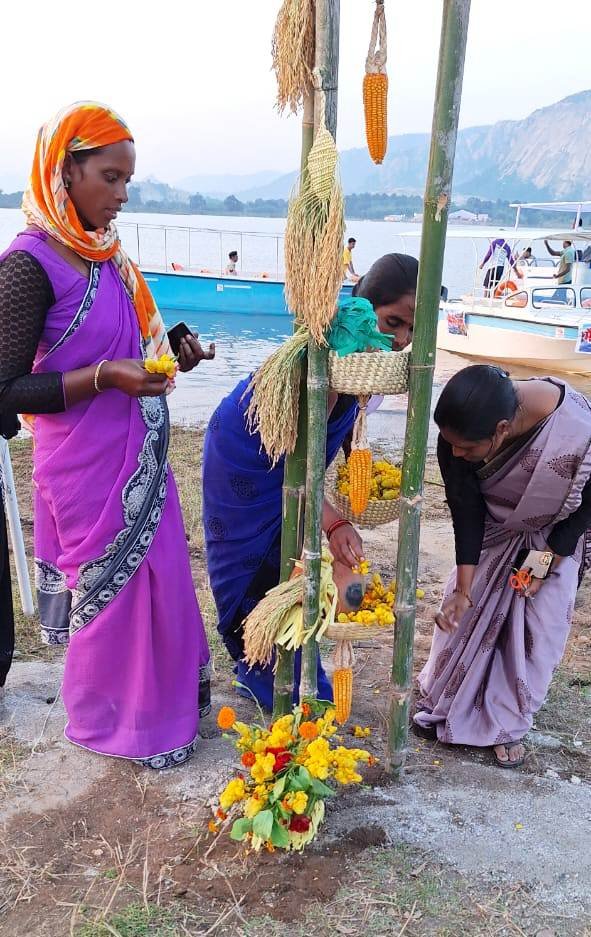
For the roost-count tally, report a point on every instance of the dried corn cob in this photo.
(342, 680)
(375, 88)
(375, 100)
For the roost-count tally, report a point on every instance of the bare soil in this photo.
(92, 846)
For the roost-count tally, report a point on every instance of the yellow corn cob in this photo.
(375, 97)
(359, 479)
(342, 687)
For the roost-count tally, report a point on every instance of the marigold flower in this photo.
(226, 717)
(263, 767)
(234, 791)
(212, 826)
(296, 801)
(252, 806)
(248, 759)
(309, 730)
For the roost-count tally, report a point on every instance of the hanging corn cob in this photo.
(314, 237)
(342, 680)
(293, 52)
(359, 462)
(375, 88)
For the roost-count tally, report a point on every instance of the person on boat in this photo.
(348, 268)
(112, 565)
(567, 259)
(515, 457)
(231, 265)
(242, 492)
(526, 257)
(499, 255)
(9, 427)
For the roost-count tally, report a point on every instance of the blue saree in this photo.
(242, 508)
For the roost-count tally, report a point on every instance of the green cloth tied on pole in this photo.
(355, 328)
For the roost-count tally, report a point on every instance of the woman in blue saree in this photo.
(242, 492)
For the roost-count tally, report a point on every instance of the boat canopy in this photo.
(511, 235)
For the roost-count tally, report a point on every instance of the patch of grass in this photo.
(11, 752)
(566, 711)
(136, 920)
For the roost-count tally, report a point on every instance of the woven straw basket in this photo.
(375, 514)
(369, 372)
(352, 631)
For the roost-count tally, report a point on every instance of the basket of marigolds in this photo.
(373, 501)
(375, 614)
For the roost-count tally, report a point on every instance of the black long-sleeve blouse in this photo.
(468, 510)
(25, 296)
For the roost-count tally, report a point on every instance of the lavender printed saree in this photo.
(483, 684)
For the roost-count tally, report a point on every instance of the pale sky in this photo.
(193, 80)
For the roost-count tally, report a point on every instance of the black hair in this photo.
(352, 241)
(388, 279)
(81, 156)
(475, 400)
(233, 254)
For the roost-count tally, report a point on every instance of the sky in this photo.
(193, 79)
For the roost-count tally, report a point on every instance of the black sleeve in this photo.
(465, 502)
(25, 297)
(565, 535)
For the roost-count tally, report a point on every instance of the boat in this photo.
(166, 256)
(531, 320)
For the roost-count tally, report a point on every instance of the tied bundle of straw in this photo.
(274, 404)
(314, 238)
(293, 52)
(278, 618)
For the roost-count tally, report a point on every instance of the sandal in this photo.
(509, 763)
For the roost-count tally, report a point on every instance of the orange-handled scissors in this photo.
(520, 580)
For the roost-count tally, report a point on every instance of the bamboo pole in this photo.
(294, 481)
(327, 68)
(454, 30)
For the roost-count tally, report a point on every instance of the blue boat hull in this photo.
(195, 293)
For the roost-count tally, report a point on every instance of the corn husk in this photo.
(293, 52)
(278, 617)
(274, 405)
(314, 239)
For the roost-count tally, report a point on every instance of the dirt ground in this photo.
(91, 846)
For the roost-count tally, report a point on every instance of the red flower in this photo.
(282, 758)
(299, 824)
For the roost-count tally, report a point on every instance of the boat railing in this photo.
(203, 250)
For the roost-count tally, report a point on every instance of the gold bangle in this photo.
(97, 374)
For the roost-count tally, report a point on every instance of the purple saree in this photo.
(113, 571)
(483, 684)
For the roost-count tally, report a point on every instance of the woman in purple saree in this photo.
(516, 461)
(113, 571)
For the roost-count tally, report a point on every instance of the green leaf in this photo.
(320, 789)
(279, 836)
(263, 824)
(305, 777)
(240, 828)
(278, 788)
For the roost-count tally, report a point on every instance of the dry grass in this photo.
(293, 52)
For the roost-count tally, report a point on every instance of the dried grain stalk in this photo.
(293, 52)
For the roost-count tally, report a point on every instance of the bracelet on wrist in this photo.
(97, 375)
(466, 595)
(340, 523)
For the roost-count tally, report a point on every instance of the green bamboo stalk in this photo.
(294, 482)
(448, 95)
(327, 65)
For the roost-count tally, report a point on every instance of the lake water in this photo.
(242, 342)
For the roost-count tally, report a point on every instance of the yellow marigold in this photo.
(262, 768)
(309, 730)
(361, 733)
(296, 801)
(234, 791)
(165, 364)
(317, 758)
(252, 806)
(226, 717)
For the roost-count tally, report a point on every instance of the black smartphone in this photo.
(175, 334)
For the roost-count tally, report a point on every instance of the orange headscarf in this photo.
(46, 204)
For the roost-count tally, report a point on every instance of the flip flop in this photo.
(508, 763)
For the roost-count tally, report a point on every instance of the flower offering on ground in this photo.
(288, 770)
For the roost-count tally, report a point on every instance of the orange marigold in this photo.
(248, 759)
(212, 826)
(221, 814)
(226, 717)
(309, 730)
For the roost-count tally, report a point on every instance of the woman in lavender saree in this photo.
(516, 461)
(113, 570)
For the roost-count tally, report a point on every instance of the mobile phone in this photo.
(176, 334)
(537, 562)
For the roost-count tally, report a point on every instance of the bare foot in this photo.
(208, 728)
(511, 754)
